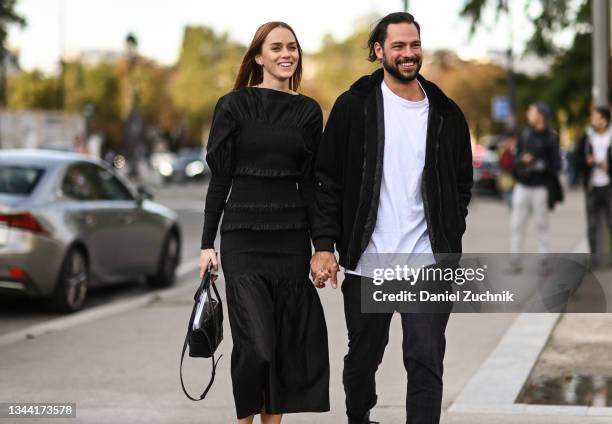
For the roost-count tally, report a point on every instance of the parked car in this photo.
(188, 165)
(486, 170)
(69, 223)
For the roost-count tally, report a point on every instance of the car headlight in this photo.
(194, 168)
(165, 169)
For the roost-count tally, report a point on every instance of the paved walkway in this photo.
(124, 368)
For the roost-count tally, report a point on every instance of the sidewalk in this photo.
(124, 368)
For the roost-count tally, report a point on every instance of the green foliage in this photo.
(99, 86)
(32, 90)
(179, 100)
(471, 85)
(205, 71)
(338, 64)
(8, 16)
(554, 16)
(567, 86)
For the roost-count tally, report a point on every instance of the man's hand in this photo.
(323, 266)
(590, 160)
(604, 164)
(526, 157)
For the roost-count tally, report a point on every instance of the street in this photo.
(188, 201)
(123, 367)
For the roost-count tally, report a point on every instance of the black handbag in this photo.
(205, 329)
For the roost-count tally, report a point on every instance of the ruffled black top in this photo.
(262, 145)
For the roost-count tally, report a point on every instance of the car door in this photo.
(90, 221)
(141, 232)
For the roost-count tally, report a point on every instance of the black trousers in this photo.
(423, 350)
(598, 199)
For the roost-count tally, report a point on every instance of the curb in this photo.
(103, 311)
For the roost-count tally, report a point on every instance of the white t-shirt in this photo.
(600, 144)
(400, 225)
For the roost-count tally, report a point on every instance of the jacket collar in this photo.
(367, 85)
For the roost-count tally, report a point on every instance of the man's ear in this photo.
(378, 50)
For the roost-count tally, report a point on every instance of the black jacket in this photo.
(583, 149)
(350, 163)
(544, 146)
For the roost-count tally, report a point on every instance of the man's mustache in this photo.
(415, 60)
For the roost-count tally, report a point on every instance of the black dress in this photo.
(262, 146)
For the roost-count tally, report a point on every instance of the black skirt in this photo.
(280, 360)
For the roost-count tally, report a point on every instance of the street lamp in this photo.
(88, 111)
(133, 127)
(131, 48)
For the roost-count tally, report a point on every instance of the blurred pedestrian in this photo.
(79, 145)
(506, 166)
(536, 164)
(262, 146)
(594, 157)
(394, 176)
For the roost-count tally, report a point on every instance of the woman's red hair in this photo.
(251, 73)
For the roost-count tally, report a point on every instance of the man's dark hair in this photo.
(603, 111)
(379, 33)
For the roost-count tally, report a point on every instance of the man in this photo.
(537, 161)
(394, 174)
(594, 157)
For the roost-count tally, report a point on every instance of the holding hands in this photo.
(323, 266)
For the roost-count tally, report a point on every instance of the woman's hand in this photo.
(208, 256)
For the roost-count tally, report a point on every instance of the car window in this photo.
(19, 179)
(112, 188)
(80, 183)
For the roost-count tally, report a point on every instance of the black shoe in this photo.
(364, 420)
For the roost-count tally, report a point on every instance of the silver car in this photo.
(68, 223)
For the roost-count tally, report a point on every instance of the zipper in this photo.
(349, 255)
(438, 179)
(430, 232)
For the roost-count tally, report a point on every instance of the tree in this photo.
(32, 90)
(99, 86)
(567, 86)
(204, 72)
(472, 85)
(337, 65)
(8, 17)
(554, 16)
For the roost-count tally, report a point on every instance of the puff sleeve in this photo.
(221, 160)
(313, 131)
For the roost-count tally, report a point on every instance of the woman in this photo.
(262, 144)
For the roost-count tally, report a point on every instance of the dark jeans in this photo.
(423, 347)
(598, 199)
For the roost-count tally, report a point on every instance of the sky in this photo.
(79, 25)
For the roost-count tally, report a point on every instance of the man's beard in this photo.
(393, 68)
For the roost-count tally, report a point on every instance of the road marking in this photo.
(104, 311)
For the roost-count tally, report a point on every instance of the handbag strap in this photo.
(204, 285)
(212, 375)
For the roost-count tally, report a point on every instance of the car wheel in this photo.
(71, 289)
(167, 262)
